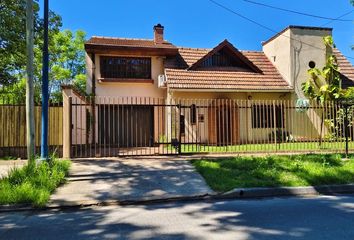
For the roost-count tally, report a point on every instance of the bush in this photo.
(33, 184)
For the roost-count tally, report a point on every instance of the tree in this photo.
(29, 83)
(67, 53)
(324, 84)
(67, 66)
(13, 37)
(67, 62)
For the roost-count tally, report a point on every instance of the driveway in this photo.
(98, 180)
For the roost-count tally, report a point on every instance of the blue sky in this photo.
(200, 23)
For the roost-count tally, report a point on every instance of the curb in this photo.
(238, 193)
(85, 204)
(288, 191)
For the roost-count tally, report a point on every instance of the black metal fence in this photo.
(111, 126)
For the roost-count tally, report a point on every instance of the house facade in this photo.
(220, 95)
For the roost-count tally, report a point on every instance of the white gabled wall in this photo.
(291, 52)
(306, 45)
(278, 52)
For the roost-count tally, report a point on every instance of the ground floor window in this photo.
(267, 116)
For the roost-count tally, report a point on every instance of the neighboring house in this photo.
(155, 68)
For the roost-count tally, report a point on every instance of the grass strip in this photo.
(33, 184)
(276, 171)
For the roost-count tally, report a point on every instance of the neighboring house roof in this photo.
(99, 44)
(346, 69)
(181, 75)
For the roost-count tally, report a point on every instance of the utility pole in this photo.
(45, 93)
(29, 83)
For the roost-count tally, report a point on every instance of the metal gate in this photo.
(110, 126)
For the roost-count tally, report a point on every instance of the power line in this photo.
(297, 12)
(345, 14)
(259, 24)
(349, 57)
(263, 26)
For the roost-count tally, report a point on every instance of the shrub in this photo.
(33, 184)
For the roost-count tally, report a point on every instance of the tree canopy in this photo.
(66, 49)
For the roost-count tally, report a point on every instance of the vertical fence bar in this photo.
(118, 124)
(159, 127)
(71, 127)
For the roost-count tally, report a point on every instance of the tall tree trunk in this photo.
(29, 83)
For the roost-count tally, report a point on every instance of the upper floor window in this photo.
(219, 59)
(125, 67)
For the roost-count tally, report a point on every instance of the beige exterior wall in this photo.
(292, 51)
(199, 132)
(126, 89)
(279, 53)
(307, 45)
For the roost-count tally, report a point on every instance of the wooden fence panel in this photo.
(13, 129)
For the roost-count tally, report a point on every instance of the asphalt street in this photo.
(323, 217)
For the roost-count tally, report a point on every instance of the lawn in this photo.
(33, 184)
(274, 171)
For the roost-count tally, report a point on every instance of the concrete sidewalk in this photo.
(7, 165)
(104, 180)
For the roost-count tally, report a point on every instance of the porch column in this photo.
(67, 93)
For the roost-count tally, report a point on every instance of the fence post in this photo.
(67, 126)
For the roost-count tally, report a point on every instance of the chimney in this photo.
(158, 33)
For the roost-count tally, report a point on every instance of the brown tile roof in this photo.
(346, 69)
(236, 79)
(127, 42)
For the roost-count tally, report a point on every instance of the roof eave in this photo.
(134, 50)
(228, 90)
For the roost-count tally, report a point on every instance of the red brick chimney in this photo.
(158, 33)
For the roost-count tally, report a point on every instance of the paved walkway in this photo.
(7, 165)
(97, 180)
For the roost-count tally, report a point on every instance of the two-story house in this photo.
(131, 72)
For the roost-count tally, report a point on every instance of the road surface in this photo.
(324, 217)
